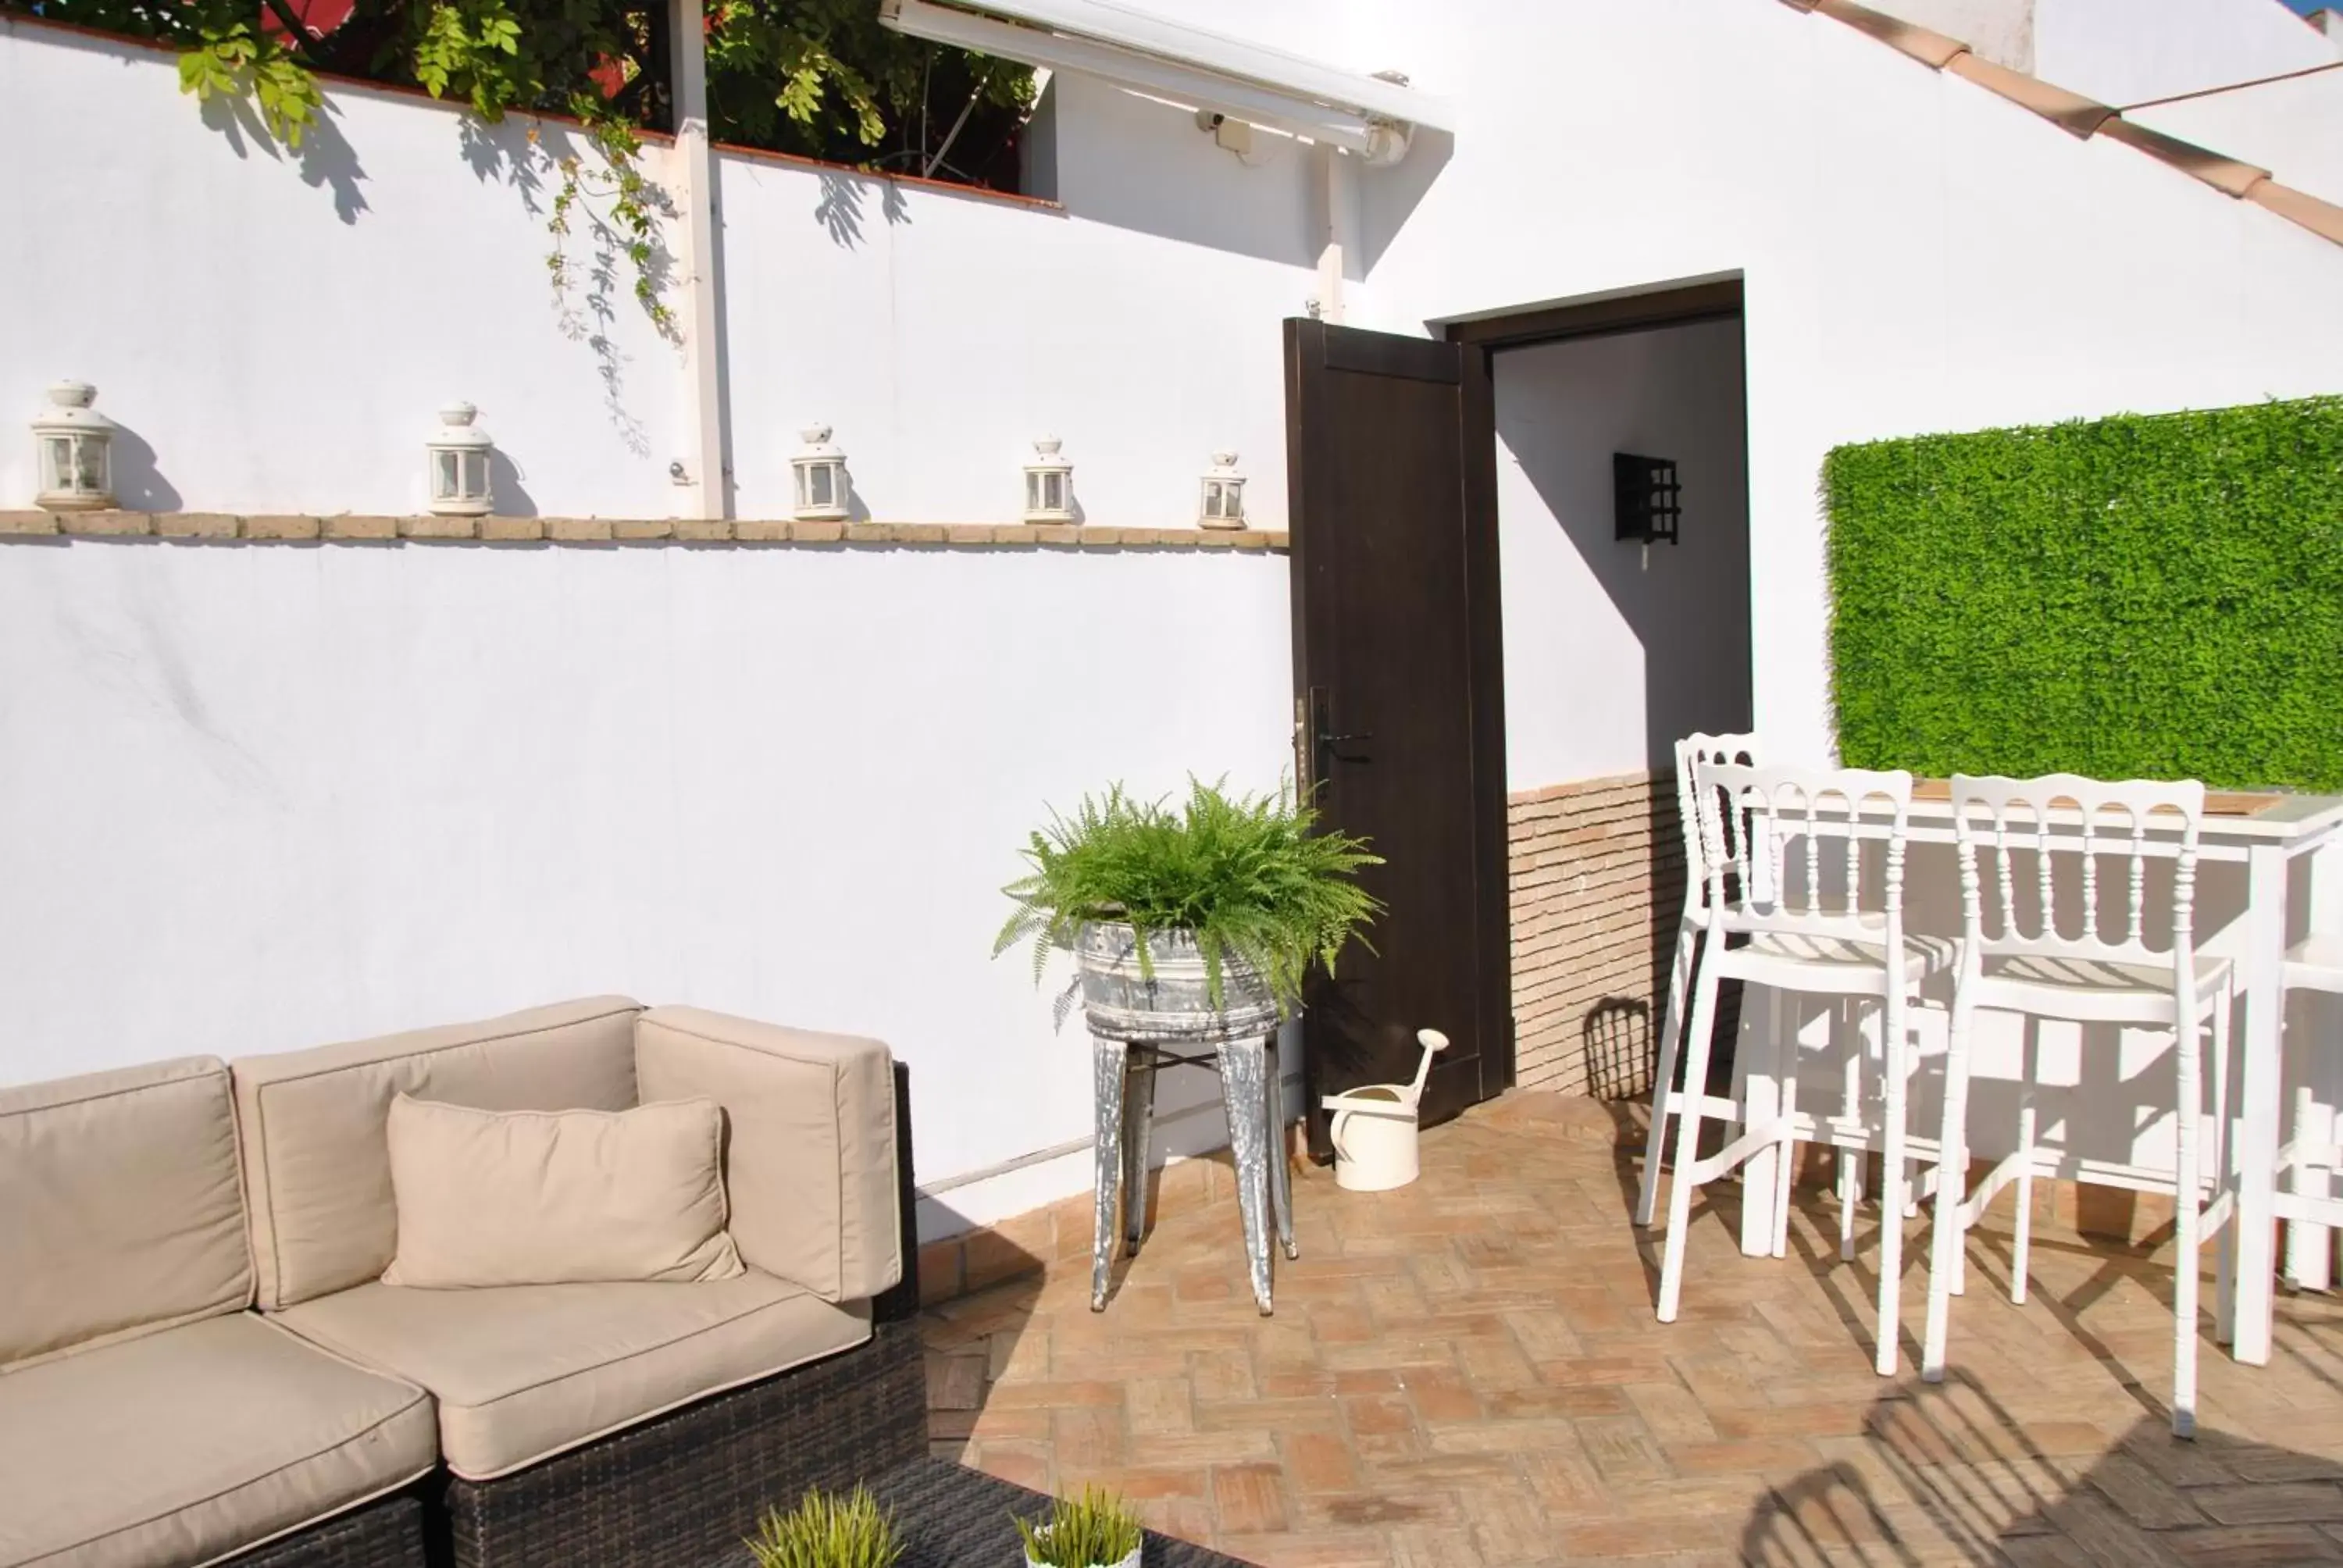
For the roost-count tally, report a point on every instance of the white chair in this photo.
(1788, 928)
(1690, 750)
(2306, 1163)
(2063, 821)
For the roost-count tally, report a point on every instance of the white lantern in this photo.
(458, 452)
(73, 444)
(820, 478)
(1049, 484)
(1221, 505)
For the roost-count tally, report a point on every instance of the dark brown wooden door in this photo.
(1391, 452)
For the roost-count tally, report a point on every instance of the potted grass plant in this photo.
(827, 1530)
(1195, 921)
(1097, 1529)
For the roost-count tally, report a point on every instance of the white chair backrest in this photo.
(1750, 817)
(2069, 823)
(1695, 749)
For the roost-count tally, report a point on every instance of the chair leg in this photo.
(1664, 1071)
(2186, 1217)
(1952, 1189)
(2028, 1125)
(1850, 1195)
(1893, 1047)
(2225, 1178)
(1850, 1161)
(2021, 1247)
(1680, 1186)
(2301, 1267)
(1762, 1067)
(1786, 1157)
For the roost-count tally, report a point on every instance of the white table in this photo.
(2268, 844)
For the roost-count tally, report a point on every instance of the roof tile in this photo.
(2070, 112)
(1933, 49)
(2223, 173)
(2323, 219)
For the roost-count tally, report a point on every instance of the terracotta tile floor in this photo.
(1467, 1372)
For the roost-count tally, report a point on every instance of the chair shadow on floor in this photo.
(1948, 1472)
(1948, 1467)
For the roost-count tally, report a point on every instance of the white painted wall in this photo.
(2125, 52)
(1918, 253)
(2001, 31)
(276, 338)
(940, 332)
(1613, 651)
(2293, 127)
(261, 797)
(401, 264)
(328, 792)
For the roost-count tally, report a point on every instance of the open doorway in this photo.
(1614, 648)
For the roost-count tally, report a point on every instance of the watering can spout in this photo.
(1433, 1041)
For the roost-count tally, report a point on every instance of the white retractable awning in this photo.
(1375, 117)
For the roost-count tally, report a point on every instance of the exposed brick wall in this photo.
(1597, 874)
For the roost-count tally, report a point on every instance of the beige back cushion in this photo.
(558, 1197)
(120, 1206)
(810, 1163)
(316, 1159)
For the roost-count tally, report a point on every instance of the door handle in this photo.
(1315, 742)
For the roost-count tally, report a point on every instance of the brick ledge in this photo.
(345, 529)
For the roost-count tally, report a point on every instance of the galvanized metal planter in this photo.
(1175, 1003)
(1139, 1020)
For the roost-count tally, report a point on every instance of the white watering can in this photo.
(1374, 1127)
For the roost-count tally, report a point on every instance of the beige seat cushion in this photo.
(558, 1197)
(522, 1372)
(316, 1163)
(178, 1447)
(121, 1209)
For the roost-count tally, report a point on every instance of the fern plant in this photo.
(827, 1530)
(1247, 875)
(1094, 1530)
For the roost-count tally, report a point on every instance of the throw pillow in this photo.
(560, 1197)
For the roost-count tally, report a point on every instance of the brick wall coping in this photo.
(345, 529)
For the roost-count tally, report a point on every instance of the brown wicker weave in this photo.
(686, 1488)
(387, 1534)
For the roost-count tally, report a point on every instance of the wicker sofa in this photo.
(207, 1367)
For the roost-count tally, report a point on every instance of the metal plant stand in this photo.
(1252, 1093)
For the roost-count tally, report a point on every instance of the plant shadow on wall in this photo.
(604, 218)
(840, 210)
(324, 155)
(815, 78)
(619, 220)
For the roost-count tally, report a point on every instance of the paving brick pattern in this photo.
(1467, 1372)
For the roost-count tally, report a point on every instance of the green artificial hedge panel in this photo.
(2154, 597)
